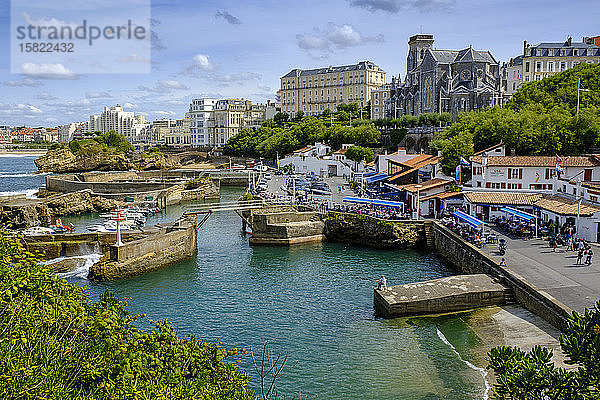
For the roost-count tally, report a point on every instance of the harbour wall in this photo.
(172, 244)
(468, 259)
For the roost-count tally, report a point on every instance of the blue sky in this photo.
(241, 48)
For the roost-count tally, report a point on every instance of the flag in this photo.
(458, 173)
(559, 162)
(464, 162)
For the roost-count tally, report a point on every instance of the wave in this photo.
(6, 174)
(19, 155)
(29, 193)
(482, 371)
(82, 270)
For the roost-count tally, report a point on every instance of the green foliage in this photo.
(326, 113)
(56, 344)
(540, 120)
(359, 153)
(281, 118)
(196, 183)
(397, 135)
(109, 142)
(532, 375)
(267, 141)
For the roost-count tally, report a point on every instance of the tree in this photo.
(532, 375)
(359, 153)
(280, 118)
(299, 116)
(397, 135)
(326, 113)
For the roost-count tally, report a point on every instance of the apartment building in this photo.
(200, 114)
(545, 59)
(178, 134)
(512, 75)
(116, 119)
(379, 97)
(314, 90)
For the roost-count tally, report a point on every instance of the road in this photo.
(577, 286)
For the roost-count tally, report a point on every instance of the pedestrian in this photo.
(588, 256)
(503, 262)
(554, 244)
(382, 283)
(579, 256)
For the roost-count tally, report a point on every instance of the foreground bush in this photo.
(56, 344)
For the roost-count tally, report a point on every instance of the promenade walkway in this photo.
(577, 286)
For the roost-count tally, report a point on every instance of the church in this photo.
(444, 80)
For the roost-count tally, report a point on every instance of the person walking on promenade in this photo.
(382, 283)
(503, 262)
(579, 256)
(588, 256)
(571, 246)
(554, 244)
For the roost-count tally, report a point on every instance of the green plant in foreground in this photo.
(56, 344)
(533, 376)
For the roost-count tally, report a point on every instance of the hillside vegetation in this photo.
(540, 119)
(56, 344)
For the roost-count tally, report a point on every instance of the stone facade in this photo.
(445, 80)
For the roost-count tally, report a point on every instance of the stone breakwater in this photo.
(172, 243)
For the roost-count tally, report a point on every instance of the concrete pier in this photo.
(455, 293)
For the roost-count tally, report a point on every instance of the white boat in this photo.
(37, 230)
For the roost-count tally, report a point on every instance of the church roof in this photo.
(444, 56)
(471, 55)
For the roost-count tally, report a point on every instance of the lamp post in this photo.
(579, 90)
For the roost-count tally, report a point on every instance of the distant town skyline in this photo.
(240, 49)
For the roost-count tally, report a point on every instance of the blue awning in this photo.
(357, 200)
(377, 177)
(518, 213)
(469, 219)
(388, 203)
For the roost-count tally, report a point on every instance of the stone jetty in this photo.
(454, 293)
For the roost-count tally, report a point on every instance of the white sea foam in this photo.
(19, 155)
(482, 371)
(29, 193)
(80, 272)
(22, 175)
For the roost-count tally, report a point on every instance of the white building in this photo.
(314, 160)
(530, 173)
(65, 132)
(179, 133)
(200, 114)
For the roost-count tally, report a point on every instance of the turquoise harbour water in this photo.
(313, 302)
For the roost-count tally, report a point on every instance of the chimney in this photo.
(569, 41)
(524, 46)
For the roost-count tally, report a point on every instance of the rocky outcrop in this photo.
(41, 212)
(369, 231)
(201, 189)
(63, 160)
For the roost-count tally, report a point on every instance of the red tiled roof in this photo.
(488, 149)
(432, 183)
(443, 195)
(538, 161)
(503, 198)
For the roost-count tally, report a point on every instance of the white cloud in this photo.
(323, 41)
(165, 113)
(19, 110)
(236, 77)
(98, 95)
(164, 86)
(202, 61)
(24, 82)
(48, 71)
(51, 120)
(130, 105)
(46, 96)
(395, 6)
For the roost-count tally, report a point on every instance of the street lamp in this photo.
(579, 90)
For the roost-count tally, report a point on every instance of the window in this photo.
(551, 66)
(538, 52)
(587, 175)
(550, 173)
(575, 52)
(563, 66)
(527, 67)
(515, 173)
(538, 66)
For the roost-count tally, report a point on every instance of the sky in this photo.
(240, 49)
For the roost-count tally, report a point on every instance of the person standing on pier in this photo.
(382, 283)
